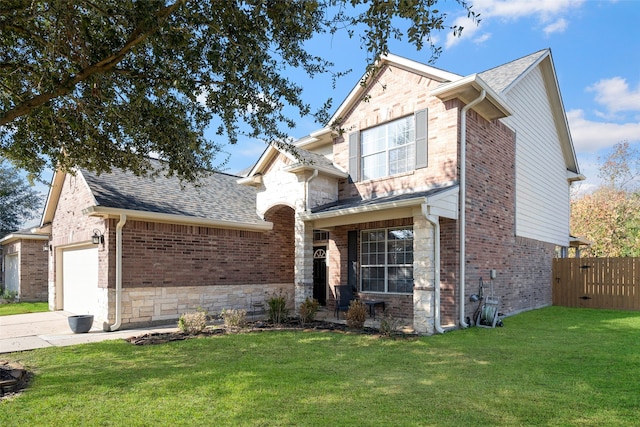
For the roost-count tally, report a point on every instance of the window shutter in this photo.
(354, 156)
(352, 259)
(421, 139)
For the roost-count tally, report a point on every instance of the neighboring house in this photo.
(25, 259)
(418, 170)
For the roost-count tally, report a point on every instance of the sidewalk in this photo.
(50, 329)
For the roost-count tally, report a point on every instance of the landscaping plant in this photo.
(308, 310)
(234, 318)
(278, 311)
(356, 315)
(193, 323)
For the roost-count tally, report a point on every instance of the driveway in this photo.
(50, 329)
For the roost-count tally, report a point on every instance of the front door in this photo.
(320, 274)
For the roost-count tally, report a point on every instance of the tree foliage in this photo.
(19, 202)
(102, 83)
(610, 216)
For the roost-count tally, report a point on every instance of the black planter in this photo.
(80, 324)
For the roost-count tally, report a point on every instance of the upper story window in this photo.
(389, 149)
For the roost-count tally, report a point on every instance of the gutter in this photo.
(306, 189)
(463, 204)
(106, 327)
(435, 221)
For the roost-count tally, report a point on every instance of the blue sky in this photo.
(595, 47)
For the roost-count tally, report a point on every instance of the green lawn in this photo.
(23, 308)
(551, 367)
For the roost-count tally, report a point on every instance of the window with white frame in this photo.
(386, 260)
(388, 149)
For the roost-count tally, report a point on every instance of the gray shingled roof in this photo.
(219, 196)
(357, 202)
(500, 77)
(315, 159)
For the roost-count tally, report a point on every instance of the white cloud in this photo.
(556, 27)
(545, 10)
(469, 29)
(615, 95)
(482, 38)
(591, 136)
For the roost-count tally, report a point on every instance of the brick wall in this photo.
(33, 268)
(156, 254)
(523, 265)
(397, 305)
(396, 94)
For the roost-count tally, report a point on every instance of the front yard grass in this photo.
(23, 308)
(551, 367)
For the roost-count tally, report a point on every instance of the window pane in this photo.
(373, 279)
(388, 149)
(374, 166)
(401, 279)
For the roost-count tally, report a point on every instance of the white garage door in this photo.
(12, 282)
(80, 280)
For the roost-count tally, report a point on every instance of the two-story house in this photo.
(422, 183)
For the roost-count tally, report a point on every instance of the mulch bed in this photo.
(259, 326)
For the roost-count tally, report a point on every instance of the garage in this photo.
(11, 273)
(80, 279)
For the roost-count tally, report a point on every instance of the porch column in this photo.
(303, 261)
(423, 275)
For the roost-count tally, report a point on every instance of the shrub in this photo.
(389, 325)
(308, 310)
(278, 311)
(193, 323)
(234, 318)
(356, 314)
(8, 295)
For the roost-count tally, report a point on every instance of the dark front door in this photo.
(320, 274)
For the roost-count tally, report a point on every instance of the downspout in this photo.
(306, 189)
(435, 221)
(116, 326)
(463, 204)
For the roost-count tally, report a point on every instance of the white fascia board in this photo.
(20, 236)
(451, 90)
(573, 177)
(326, 171)
(420, 68)
(417, 201)
(55, 188)
(100, 211)
(324, 135)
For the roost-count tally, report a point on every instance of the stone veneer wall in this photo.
(161, 305)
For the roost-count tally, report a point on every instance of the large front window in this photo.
(387, 260)
(388, 149)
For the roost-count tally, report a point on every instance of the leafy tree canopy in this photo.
(102, 83)
(610, 216)
(19, 202)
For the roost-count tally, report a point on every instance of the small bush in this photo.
(308, 310)
(356, 315)
(389, 325)
(8, 295)
(278, 311)
(193, 323)
(234, 318)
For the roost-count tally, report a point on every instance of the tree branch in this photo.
(66, 86)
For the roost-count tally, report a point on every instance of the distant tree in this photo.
(19, 202)
(610, 216)
(102, 83)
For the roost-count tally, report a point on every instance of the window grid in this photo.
(388, 149)
(386, 259)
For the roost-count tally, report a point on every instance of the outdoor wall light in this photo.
(97, 238)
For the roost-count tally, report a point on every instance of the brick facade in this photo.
(172, 268)
(33, 259)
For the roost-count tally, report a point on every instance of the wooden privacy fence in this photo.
(612, 283)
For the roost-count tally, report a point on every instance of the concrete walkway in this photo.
(50, 329)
